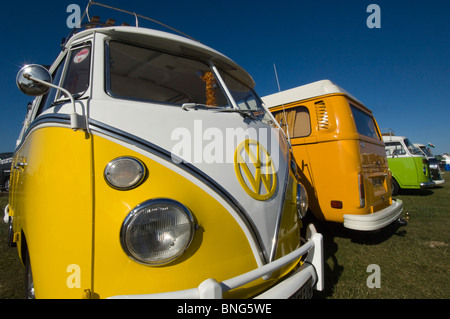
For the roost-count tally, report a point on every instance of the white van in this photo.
(408, 166)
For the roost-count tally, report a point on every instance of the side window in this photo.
(49, 98)
(394, 149)
(296, 119)
(411, 148)
(76, 79)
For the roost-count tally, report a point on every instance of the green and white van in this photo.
(409, 168)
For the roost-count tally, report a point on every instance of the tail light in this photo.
(362, 193)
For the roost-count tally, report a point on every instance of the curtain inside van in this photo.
(297, 120)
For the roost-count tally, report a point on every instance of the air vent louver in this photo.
(322, 115)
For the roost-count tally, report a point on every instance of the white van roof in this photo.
(388, 138)
(172, 43)
(304, 92)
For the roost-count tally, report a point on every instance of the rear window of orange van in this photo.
(365, 124)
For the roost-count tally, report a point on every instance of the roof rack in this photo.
(387, 132)
(94, 22)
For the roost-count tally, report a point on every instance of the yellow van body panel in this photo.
(333, 156)
(290, 226)
(55, 212)
(219, 250)
(72, 222)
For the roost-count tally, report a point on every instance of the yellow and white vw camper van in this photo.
(147, 167)
(340, 152)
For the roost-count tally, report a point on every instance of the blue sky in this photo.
(401, 71)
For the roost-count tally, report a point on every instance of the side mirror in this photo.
(32, 87)
(35, 80)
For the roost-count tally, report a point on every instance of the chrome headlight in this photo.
(124, 173)
(302, 200)
(157, 231)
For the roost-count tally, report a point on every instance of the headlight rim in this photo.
(148, 203)
(134, 185)
(301, 190)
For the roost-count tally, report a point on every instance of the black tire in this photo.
(395, 188)
(6, 185)
(10, 240)
(29, 283)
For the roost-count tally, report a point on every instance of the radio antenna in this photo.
(276, 76)
(284, 112)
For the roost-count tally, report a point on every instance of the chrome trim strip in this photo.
(224, 86)
(280, 214)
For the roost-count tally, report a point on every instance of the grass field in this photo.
(11, 270)
(413, 260)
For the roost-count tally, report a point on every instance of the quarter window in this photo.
(394, 149)
(76, 79)
(297, 120)
(411, 148)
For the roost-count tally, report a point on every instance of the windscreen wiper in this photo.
(197, 106)
(244, 113)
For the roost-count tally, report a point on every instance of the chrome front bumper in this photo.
(310, 273)
(376, 220)
(438, 182)
(427, 185)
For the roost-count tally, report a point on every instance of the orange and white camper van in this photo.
(339, 149)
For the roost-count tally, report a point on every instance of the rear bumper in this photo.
(376, 220)
(310, 273)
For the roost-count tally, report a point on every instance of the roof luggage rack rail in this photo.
(94, 22)
(387, 132)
